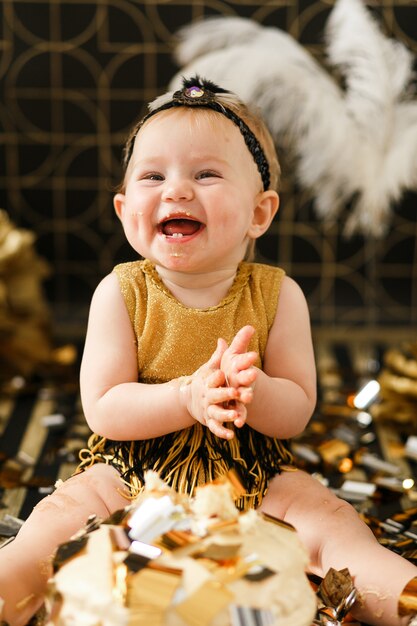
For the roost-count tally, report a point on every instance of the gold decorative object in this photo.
(398, 381)
(24, 316)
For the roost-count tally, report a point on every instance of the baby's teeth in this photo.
(177, 235)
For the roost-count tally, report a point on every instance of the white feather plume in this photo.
(359, 141)
(160, 101)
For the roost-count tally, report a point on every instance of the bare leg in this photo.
(336, 537)
(25, 564)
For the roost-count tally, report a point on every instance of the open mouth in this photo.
(179, 227)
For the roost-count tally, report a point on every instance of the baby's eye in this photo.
(152, 176)
(207, 174)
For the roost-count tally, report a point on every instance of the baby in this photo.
(198, 360)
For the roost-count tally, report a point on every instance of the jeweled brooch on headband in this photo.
(193, 95)
(195, 91)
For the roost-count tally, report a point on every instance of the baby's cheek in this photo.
(227, 220)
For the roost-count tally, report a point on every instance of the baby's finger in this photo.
(245, 395)
(216, 379)
(216, 357)
(221, 394)
(244, 361)
(219, 430)
(242, 415)
(221, 414)
(246, 378)
(241, 340)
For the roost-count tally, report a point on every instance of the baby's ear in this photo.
(263, 213)
(119, 204)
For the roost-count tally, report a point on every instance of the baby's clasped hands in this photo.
(238, 364)
(219, 390)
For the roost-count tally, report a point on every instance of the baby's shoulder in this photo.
(265, 268)
(129, 269)
(266, 275)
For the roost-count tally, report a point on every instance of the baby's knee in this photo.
(339, 509)
(336, 510)
(96, 474)
(336, 506)
(341, 521)
(89, 485)
(101, 480)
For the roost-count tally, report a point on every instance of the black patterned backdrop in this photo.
(75, 74)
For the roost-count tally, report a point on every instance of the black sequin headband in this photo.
(205, 94)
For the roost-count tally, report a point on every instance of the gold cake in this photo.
(167, 560)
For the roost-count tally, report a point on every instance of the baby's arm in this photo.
(281, 398)
(285, 391)
(117, 406)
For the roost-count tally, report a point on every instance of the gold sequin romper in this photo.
(174, 340)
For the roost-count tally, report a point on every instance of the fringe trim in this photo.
(192, 457)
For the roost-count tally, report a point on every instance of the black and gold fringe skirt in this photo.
(192, 457)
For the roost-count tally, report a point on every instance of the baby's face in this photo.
(191, 191)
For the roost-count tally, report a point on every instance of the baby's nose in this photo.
(178, 190)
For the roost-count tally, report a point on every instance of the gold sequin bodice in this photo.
(174, 340)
